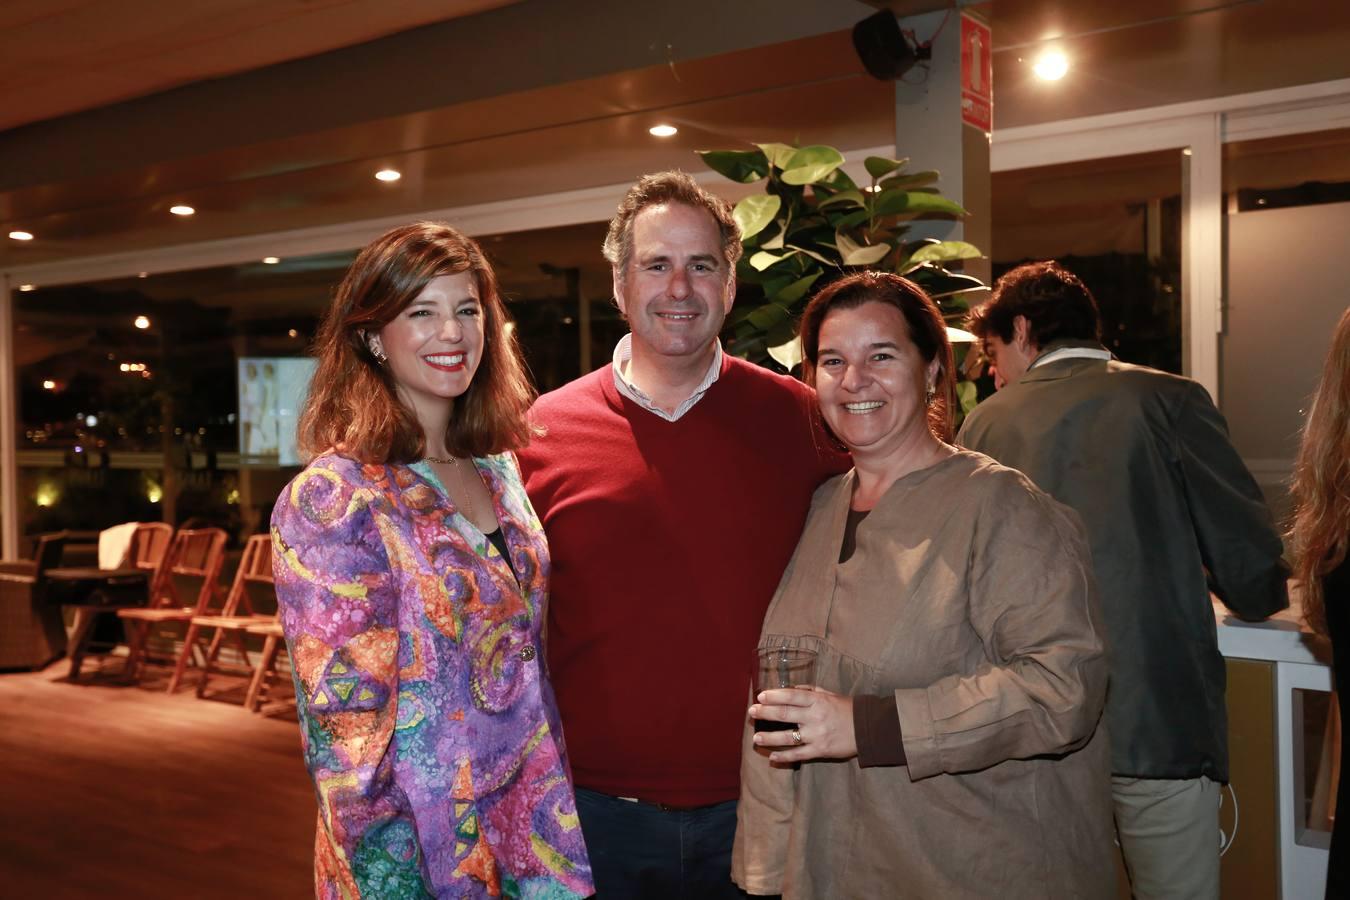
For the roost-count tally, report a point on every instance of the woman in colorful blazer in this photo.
(412, 574)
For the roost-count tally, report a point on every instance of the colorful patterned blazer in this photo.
(426, 717)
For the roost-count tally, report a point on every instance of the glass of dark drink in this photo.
(782, 667)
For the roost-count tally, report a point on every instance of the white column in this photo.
(9, 424)
(1202, 254)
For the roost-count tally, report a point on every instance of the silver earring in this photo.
(929, 396)
(377, 353)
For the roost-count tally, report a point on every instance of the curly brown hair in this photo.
(926, 329)
(1321, 523)
(1056, 304)
(352, 406)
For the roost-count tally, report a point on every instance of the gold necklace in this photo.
(453, 462)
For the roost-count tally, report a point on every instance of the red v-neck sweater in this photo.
(667, 541)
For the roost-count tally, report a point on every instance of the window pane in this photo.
(129, 392)
(1116, 224)
(1286, 277)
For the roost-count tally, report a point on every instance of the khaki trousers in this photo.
(1169, 835)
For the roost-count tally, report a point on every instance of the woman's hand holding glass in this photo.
(823, 723)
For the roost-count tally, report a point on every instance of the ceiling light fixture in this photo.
(142, 274)
(663, 130)
(27, 287)
(48, 384)
(271, 260)
(1052, 65)
(21, 235)
(181, 210)
(388, 175)
(141, 322)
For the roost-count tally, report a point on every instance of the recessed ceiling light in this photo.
(181, 210)
(48, 384)
(293, 333)
(663, 130)
(28, 287)
(388, 175)
(141, 322)
(271, 260)
(1052, 65)
(21, 235)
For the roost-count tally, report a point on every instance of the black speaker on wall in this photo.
(882, 48)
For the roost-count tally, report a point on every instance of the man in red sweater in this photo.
(673, 485)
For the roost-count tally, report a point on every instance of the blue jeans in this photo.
(643, 852)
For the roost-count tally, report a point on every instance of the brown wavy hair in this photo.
(1321, 489)
(352, 405)
(926, 329)
(1056, 303)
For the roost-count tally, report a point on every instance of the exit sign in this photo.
(977, 74)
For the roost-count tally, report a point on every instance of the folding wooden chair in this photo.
(265, 671)
(149, 548)
(95, 597)
(194, 556)
(252, 581)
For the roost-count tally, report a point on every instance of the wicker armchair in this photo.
(31, 631)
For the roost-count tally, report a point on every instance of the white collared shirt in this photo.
(1070, 353)
(623, 355)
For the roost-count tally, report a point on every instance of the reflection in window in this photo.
(165, 397)
(1290, 170)
(129, 392)
(1116, 224)
(558, 288)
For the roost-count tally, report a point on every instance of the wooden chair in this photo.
(252, 579)
(265, 671)
(96, 597)
(195, 556)
(149, 548)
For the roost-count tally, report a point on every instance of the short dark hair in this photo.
(924, 320)
(1056, 304)
(352, 405)
(669, 187)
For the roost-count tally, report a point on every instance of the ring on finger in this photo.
(797, 737)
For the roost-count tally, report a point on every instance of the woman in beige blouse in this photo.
(951, 745)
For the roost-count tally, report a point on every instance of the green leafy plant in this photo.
(813, 223)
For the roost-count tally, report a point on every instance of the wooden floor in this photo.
(110, 791)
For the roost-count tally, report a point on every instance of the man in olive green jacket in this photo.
(1171, 514)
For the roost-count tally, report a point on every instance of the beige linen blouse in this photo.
(970, 598)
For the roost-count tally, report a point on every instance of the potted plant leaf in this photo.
(813, 223)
